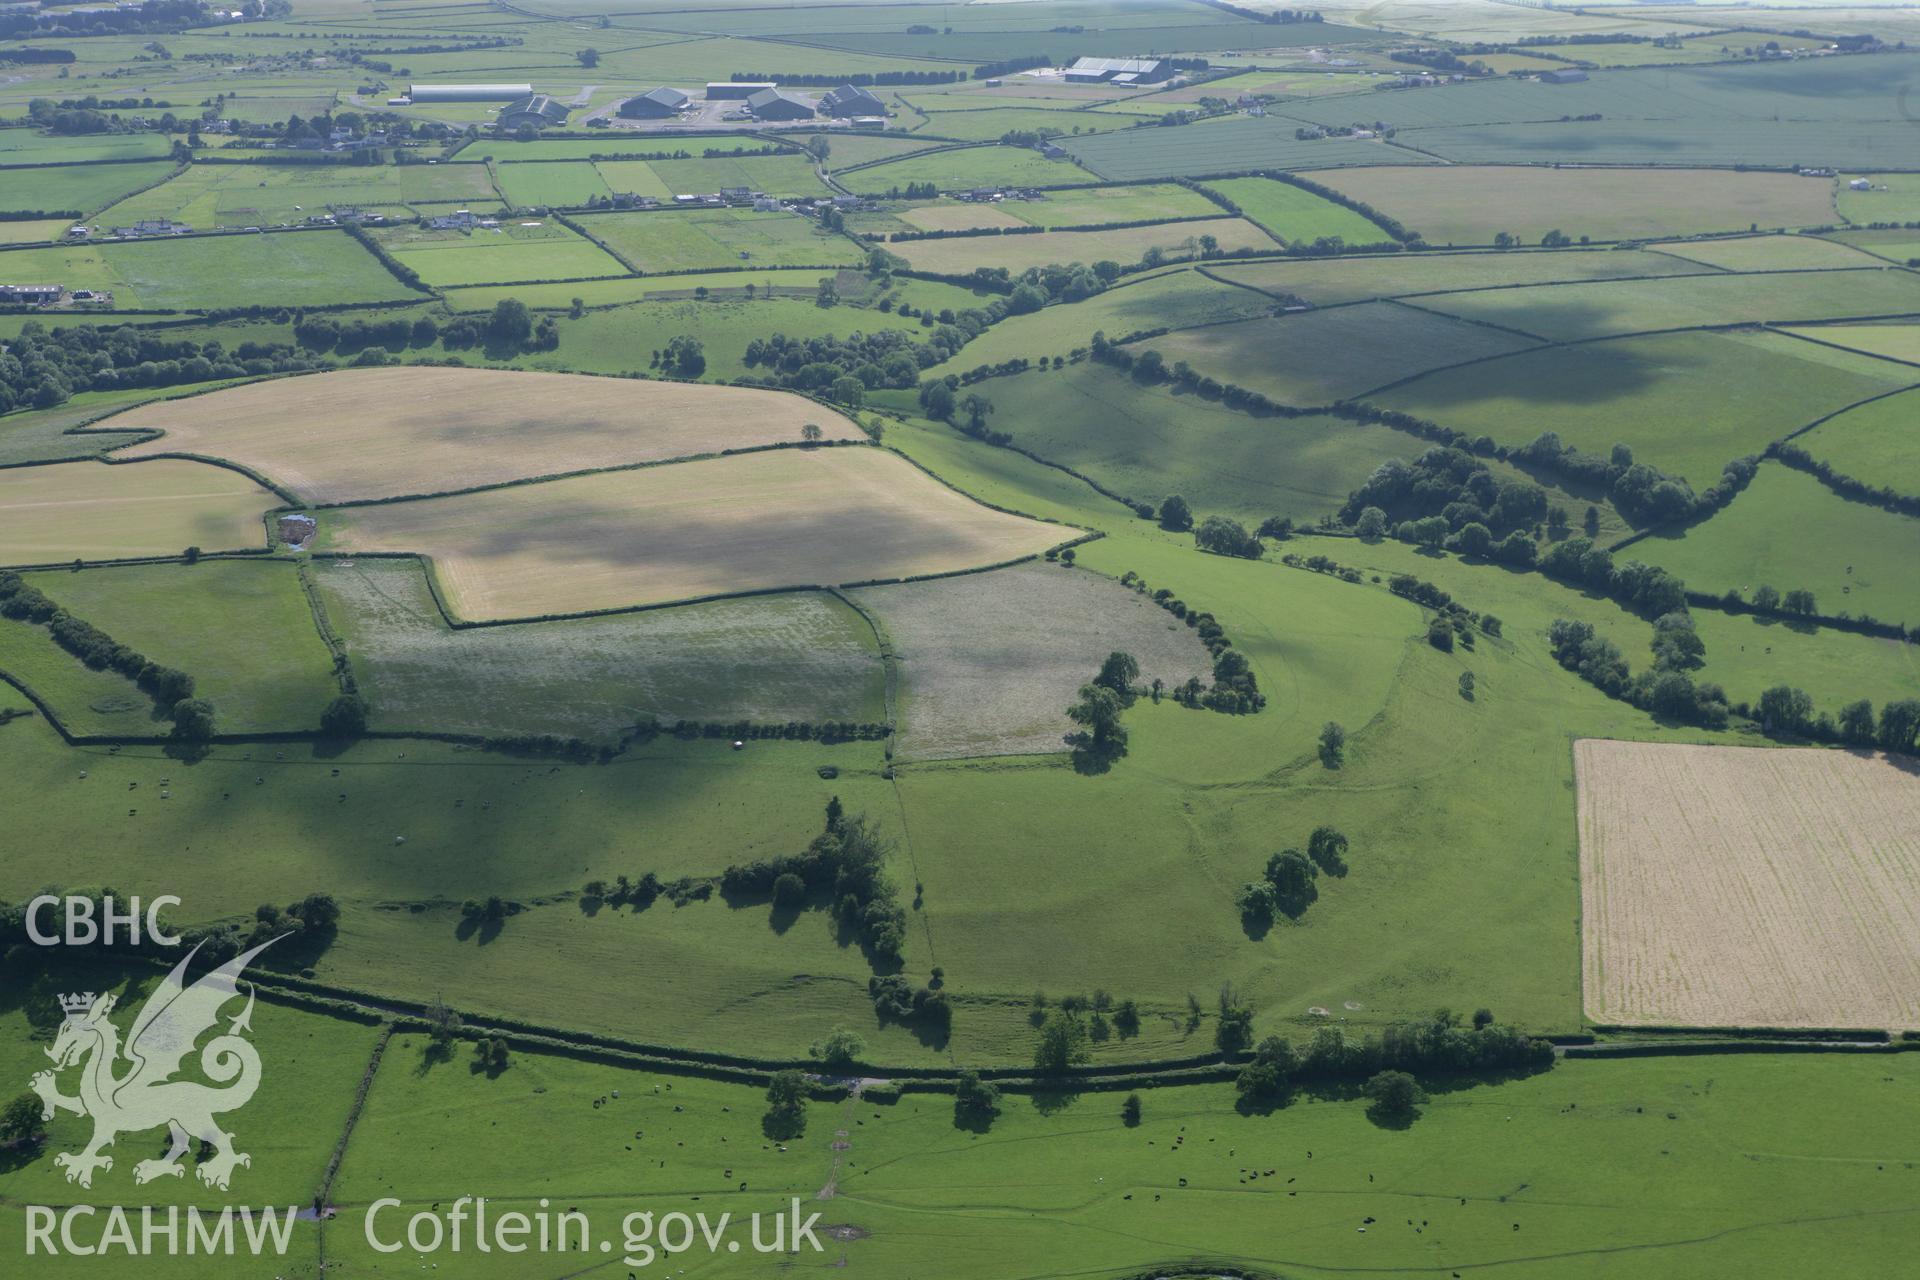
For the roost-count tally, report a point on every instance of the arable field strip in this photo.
(93, 511)
(359, 434)
(1726, 886)
(724, 526)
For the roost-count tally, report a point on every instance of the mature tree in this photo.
(511, 323)
(1856, 722)
(976, 1102)
(849, 391)
(1371, 524)
(1291, 873)
(193, 720)
(1226, 537)
(1900, 725)
(1062, 1043)
(1440, 634)
(1474, 539)
(1800, 601)
(1176, 515)
(1268, 1077)
(839, 1048)
(589, 58)
(786, 1105)
(1234, 1031)
(1130, 1110)
(443, 1024)
(1099, 711)
(789, 890)
(1396, 1097)
(1257, 902)
(1676, 645)
(1466, 685)
(1784, 709)
(1490, 624)
(344, 717)
(977, 408)
(1333, 744)
(684, 355)
(936, 397)
(1118, 673)
(811, 433)
(1766, 598)
(1328, 849)
(1126, 1019)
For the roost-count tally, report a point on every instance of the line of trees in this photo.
(40, 369)
(846, 862)
(170, 689)
(1880, 495)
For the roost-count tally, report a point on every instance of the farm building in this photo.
(32, 294)
(469, 92)
(1563, 75)
(850, 100)
(1119, 70)
(655, 104)
(778, 104)
(537, 111)
(721, 89)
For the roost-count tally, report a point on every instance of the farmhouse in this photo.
(655, 104)
(32, 294)
(850, 100)
(468, 92)
(718, 90)
(1119, 70)
(459, 220)
(778, 104)
(152, 227)
(536, 111)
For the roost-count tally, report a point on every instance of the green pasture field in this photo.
(34, 231)
(1294, 215)
(1792, 532)
(609, 143)
(1681, 143)
(1575, 312)
(1902, 247)
(632, 177)
(1895, 197)
(85, 189)
(234, 195)
(533, 184)
(1232, 145)
(1470, 204)
(87, 702)
(1688, 403)
(624, 339)
(962, 255)
(770, 659)
(30, 146)
(784, 175)
(1890, 341)
(512, 252)
(1846, 90)
(702, 239)
(845, 149)
(1091, 206)
(1319, 357)
(962, 167)
(729, 285)
(1772, 253)
(1147, 443)
(1873, 442)
(1328, 281)
(1290, 84)
(311, 1066)
(976, 125)
(293, 268)
(1745, 654)
(1172, 299)
(242, 629)
(1085, 1184)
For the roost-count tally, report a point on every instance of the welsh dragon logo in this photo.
(148, 1094)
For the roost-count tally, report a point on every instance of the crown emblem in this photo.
(77, 1003)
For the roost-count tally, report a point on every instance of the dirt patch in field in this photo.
(989, 662)
(1749, 886)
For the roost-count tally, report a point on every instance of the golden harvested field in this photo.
(1125, 245)
(359, 434)
(721, 526)
(94, 511)
(1725, 886)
